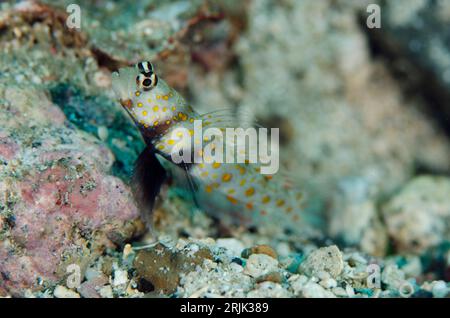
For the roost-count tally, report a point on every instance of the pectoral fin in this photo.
(148, 177)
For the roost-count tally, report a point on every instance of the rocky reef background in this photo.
(363, 115)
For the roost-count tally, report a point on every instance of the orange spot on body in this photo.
(182, 116)
(232, 199)
(249, 192)
(266, 199)
(227, 177)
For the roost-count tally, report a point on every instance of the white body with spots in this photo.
(235, 193)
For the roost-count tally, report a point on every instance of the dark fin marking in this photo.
(148, 177)
(192, 185)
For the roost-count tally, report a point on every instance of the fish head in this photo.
(144, 96)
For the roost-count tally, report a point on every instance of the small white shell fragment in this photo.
(236, 268)
(260, 264)
(328, 283)
(127, 250)
(120, 278)
(350, 291)
(297, 282)
(440, 289)
(63, 292)
(313, 290)
(102, 133)
(340, 292)
(233, 246)
(106, 292)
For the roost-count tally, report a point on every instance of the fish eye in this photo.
(146, 82)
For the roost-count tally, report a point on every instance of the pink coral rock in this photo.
(58, 204)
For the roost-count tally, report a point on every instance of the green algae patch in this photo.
(101, 117)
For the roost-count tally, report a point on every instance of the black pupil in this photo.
(147, 82)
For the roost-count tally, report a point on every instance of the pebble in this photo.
(416, 217)
(63, 292)
(413, 267)
(328, 283)
(340, 292)
(326, 259)
(392, 276)
(106, 292)
(274, 277)
(283, 249)
(259, 249)
(102, 133)
(297, 282)
(323, 275)
(92, 273)
(120, 278)
(269, 290)
(233, 246)
(127, 250)
(161, 266)
(350, 291)
(260, 264)
(440, 289)
(236, 268)
(314, 290)
(102, 79)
